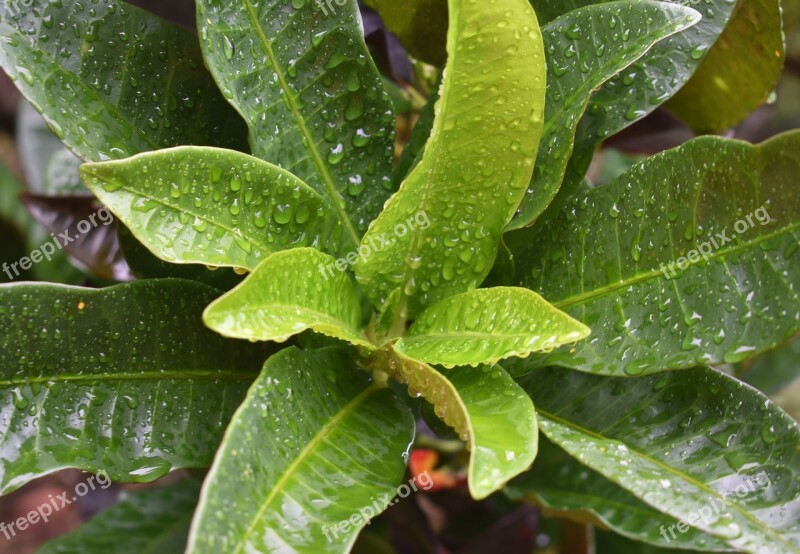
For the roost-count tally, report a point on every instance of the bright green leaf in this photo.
(486, 325)
(309, 91)
(475, 168)
(67, 59)
(738, 73)
(211, 206)
(123, 379)
(483, 405)
(697, 445)
(149, 521)
(313, 444)
(288, 293)
(689, 257)
(585, 48)
(563, 488)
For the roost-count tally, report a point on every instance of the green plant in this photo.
(373, 275)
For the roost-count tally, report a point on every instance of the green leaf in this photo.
(696, 444)
(67, 58)
(687, 258)
(564, 488)
(483, 405)
(311, 95)
(415, 146)
(485, 136)
(211, 206)
(421, 25)
(586, 48)
(123, 379)
(486, 325)
(313, 444)
(149, 521)
(288, 293)
(773, 370)
(739, 72)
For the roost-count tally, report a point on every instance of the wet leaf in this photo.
(123, 379)
(689, 257)
(66, 59)
(697, 445)
(211, 206)
(288, 293)
(474, 170)
(336, 447)
(486, 325)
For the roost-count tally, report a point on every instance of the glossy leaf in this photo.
(739, 72)
(696, 444)
(585, 48)
(302, 78)
(288, 293)
(66, 58)
(211, 206)
(483, 405)
(313, 444)
(421, 25)
(689, 257)
(486, 325)
(485, 135)
(148, 521)
(149, 391)
(564, 488)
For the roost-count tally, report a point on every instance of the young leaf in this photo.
(484, 140)
(290, 292)
(67, 58)
(564, 488)
(123, 379)
(484, 406)
(486, 325)
(739, 72)
(578, 62)
(152, 521)
(301, 76)
(314, 443)
(212, 206)
(687, 258)
(697, 445)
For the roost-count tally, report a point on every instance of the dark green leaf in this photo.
(124, 379)
(315, 443)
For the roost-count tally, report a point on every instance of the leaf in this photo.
(486, 325)
(123, 379)
(152, 521)
(564, 488)
(211, 206)
(302, 78)
(773, 370)
(67, 61)
(313, 444)
(696, 444)
(738, 73)
(615, 258)
(585, 48)
(415, 146)
(485, 135)
(421, 25)
(290, 292)
(483, 405)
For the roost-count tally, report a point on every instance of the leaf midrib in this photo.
(327, 180)
(289, 472)
(669, 470)
(606, 289)
(173, 375)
